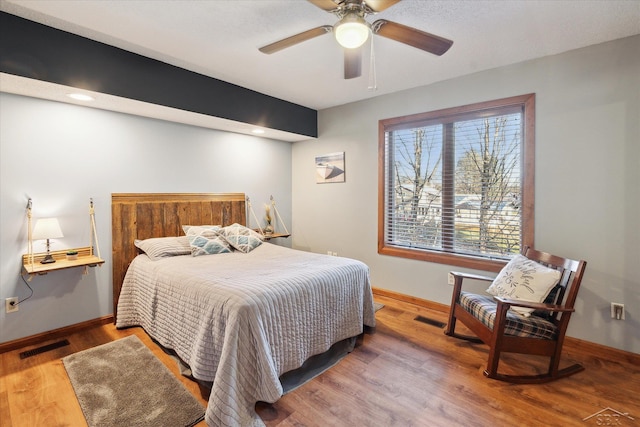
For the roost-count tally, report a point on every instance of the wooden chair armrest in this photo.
(457, 283)
(533, 305)
(471, 276)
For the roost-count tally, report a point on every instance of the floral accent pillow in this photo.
(525, 280)
(241, 238)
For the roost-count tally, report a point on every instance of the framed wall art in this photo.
(330, 168)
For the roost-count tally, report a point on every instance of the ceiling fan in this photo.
(352, 31)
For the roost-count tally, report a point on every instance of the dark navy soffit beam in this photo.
(32, 50)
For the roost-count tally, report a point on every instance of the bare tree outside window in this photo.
(417, 160)
(489, 172)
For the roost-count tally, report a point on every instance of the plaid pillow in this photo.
(484, 308)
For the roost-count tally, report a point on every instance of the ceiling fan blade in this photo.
(373, 5)
(293, 40)
(352, 63)
(380, 5)
(328, 5)
(411, 36)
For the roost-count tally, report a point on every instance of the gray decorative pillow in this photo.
(241, 238)
(163, 247)
(525, 280)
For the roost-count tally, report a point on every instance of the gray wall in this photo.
(587, 179)
(61, 155)
(587, 184)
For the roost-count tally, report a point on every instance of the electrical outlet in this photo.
(450, 279)
(11, 304)
(617, 311)
(329, 253)
(334, 253)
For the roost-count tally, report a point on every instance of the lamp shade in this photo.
(352, 31)
(47, 228)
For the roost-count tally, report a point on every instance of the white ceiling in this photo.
(220, 38)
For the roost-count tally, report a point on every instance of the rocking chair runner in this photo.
(504, 330)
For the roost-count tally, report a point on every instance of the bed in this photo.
(240, 319)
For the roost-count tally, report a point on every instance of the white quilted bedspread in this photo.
(242, 320)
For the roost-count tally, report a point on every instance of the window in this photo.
(456, 185)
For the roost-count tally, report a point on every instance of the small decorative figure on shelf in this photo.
(268, 229)
(72, 255)
(271, 219)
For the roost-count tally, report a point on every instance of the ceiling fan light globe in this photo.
(352, 31)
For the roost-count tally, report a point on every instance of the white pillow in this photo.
(525, 280)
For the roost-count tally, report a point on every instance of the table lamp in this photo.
(47, 228)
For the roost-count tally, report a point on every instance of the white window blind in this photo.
(454, 183)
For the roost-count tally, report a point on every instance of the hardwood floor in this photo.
(406, 373)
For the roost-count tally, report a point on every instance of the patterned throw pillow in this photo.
(206, 240)
(205, 245)
(163, 247)
(241, 238)
(194, 230)
(525, 280)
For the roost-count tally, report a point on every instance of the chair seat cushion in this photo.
(483, 308)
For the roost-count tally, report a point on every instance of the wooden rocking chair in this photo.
(504, 330)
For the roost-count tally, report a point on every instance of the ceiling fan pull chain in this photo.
(373, 83)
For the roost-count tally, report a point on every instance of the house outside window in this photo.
(456, 185)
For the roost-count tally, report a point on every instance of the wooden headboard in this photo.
(145, 215)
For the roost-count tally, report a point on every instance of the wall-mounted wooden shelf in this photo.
(86, 258)
(275, 236)
(272, 235)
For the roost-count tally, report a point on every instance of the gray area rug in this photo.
(123, 384)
